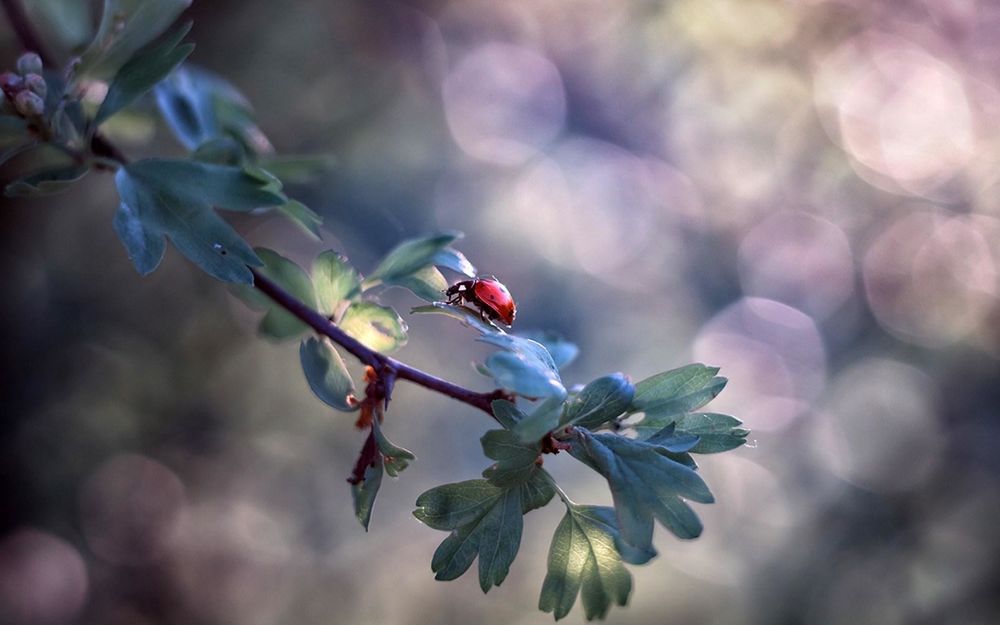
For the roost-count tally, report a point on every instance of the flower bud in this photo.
(10, 82)
(36, 84)
(29, 63)
(29, 104)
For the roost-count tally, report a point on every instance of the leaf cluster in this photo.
(641, 438)
(651, 473)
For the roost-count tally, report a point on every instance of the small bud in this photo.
(29, 63)
(10, 83)
(29, 104)
(36, 84)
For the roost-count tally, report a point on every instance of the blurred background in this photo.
(803, 192)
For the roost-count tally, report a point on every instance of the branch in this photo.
(388, 369)
(380, 362)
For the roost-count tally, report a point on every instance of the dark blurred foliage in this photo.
(803, 193)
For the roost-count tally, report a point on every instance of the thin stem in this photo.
(378, 361)
(559, 491)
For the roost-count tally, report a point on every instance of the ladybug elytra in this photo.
(489, 295)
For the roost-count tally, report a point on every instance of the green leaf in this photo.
(199, 105)
(221, 151)
(562, 351)
(485, 520)
(365, 492)
(70, 21)
(673, 441)
(46, 181)
(305, 217)
(126, 26)
(531, 350)
(410, 256)
(678, 390)
(645, 483)
(327, 374)
(427, 283)
(334, 280)
(526, 368)
(601, 401)
(174, 199)
(507, 413)
(278, 323)
(583, 556)
(524, 375)
(298, 169)
(543, 420)
(377, 327)
(148, 67)
(515, 461)
(456, 261)
(716, 432)
(394, 457)
(466, 316)
(223, 186)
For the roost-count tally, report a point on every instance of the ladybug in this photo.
(489, 295)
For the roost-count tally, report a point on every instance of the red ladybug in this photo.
(488, 295)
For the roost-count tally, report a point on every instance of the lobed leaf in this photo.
(583, 557)
(141, 73)
(678, 390)
(716, 432)
(378, 456)
(394, 458)
(673, 441)
(485, 521)
(515, 460)
(645, 483)
(173, 199)
(327, 374)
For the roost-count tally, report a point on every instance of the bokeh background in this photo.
(803, 192)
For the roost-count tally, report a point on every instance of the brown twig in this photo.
(388, 368)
